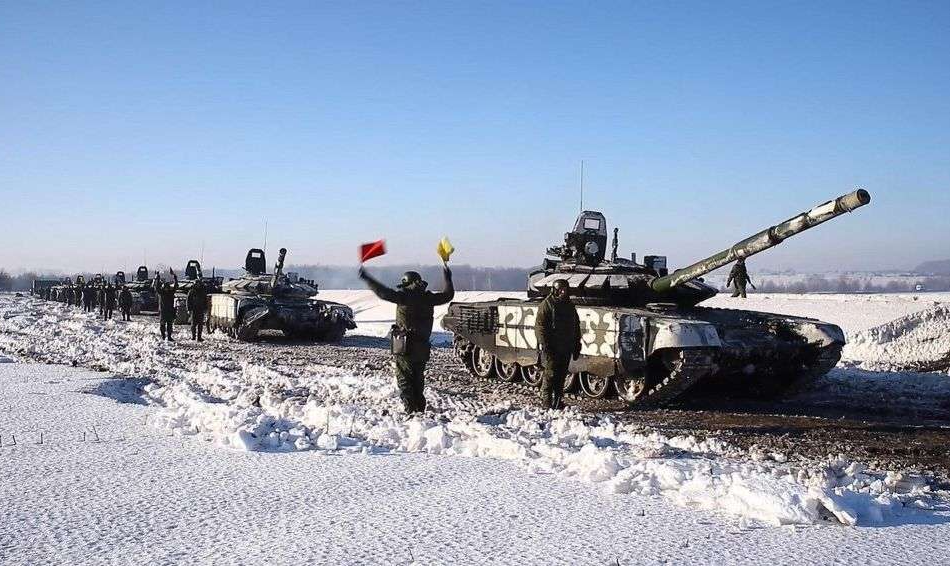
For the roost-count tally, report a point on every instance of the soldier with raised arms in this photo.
(558, 330)
(413, 328)
(166, 305)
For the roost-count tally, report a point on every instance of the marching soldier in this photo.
(197, 303)
(558, 330)
(413, 328)
(125, 303)
(739, 278)
(166, 305)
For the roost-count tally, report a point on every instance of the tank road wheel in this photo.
(333, 334)
(594, 386)
(507, 372)
(628, 387)
(532, 375)
(570, 382)
(483, 363)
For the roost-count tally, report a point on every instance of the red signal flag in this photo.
(372, 249)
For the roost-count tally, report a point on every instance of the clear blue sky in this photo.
(127, 127)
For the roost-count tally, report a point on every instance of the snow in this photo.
(356, 412)
(107, 486)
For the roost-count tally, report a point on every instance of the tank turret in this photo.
(593, 279)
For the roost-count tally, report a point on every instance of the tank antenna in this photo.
(201, 255)
(582, 185)
(265, 235)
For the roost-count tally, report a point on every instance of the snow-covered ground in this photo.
(335, 444)
(106, 486)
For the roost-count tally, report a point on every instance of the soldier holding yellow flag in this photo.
(415, 308)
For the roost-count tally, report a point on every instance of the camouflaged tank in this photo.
(645, 337)
(259, 301)
(142, 288)
(193, 274)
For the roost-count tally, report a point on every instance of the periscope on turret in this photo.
(645, 337)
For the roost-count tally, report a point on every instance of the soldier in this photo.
(101, 300)
(414, 315)
(69, 295)
(87, 298)
(558, 330)
(109, 301)
(166, 305)
(739, 278)
(197, 305)
(125, 303)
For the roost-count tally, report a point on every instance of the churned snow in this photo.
(88, 478)
(356, 412)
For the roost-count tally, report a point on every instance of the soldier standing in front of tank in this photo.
(739, 278)
(87, 298)
(414, 316)
(558, 330)
(166, 305)
(109, 299)
(125, 303)
(197, 303)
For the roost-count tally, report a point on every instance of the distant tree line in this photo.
(465, 277)
(845, 284)
(469, 278)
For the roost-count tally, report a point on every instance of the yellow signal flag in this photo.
(444, 249)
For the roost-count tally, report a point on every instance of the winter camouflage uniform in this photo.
(558, 330)
(414, 315)
(739, 278)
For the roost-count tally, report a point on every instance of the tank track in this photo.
(826, 360)
(688, 368)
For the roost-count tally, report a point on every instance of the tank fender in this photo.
(254, 314)
(822, 333)
(677, 333)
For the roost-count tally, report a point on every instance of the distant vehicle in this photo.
(39, 286)
(919, 287)
(193, 274)
(142, 288)
(260, 301)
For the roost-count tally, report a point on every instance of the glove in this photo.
(447, 272)
(362, 273)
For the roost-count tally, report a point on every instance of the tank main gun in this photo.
(765, 239)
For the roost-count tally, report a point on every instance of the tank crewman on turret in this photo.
(413, 328)
(558, 330)
(125, 303)
(197, 305)
(109, 300)
(739, 278)
(166, 305)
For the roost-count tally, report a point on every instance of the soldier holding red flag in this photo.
(415, 307)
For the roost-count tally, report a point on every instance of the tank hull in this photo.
(652, 356)
(246, 316)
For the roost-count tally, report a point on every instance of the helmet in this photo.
(411, 278)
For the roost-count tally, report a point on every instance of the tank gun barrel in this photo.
(765, 239)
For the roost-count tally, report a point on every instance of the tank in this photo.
(259, 301)
(142, 288)
(192, 275)
(646, 337)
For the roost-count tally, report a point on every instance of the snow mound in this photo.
(917, 342)
(307, 405)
